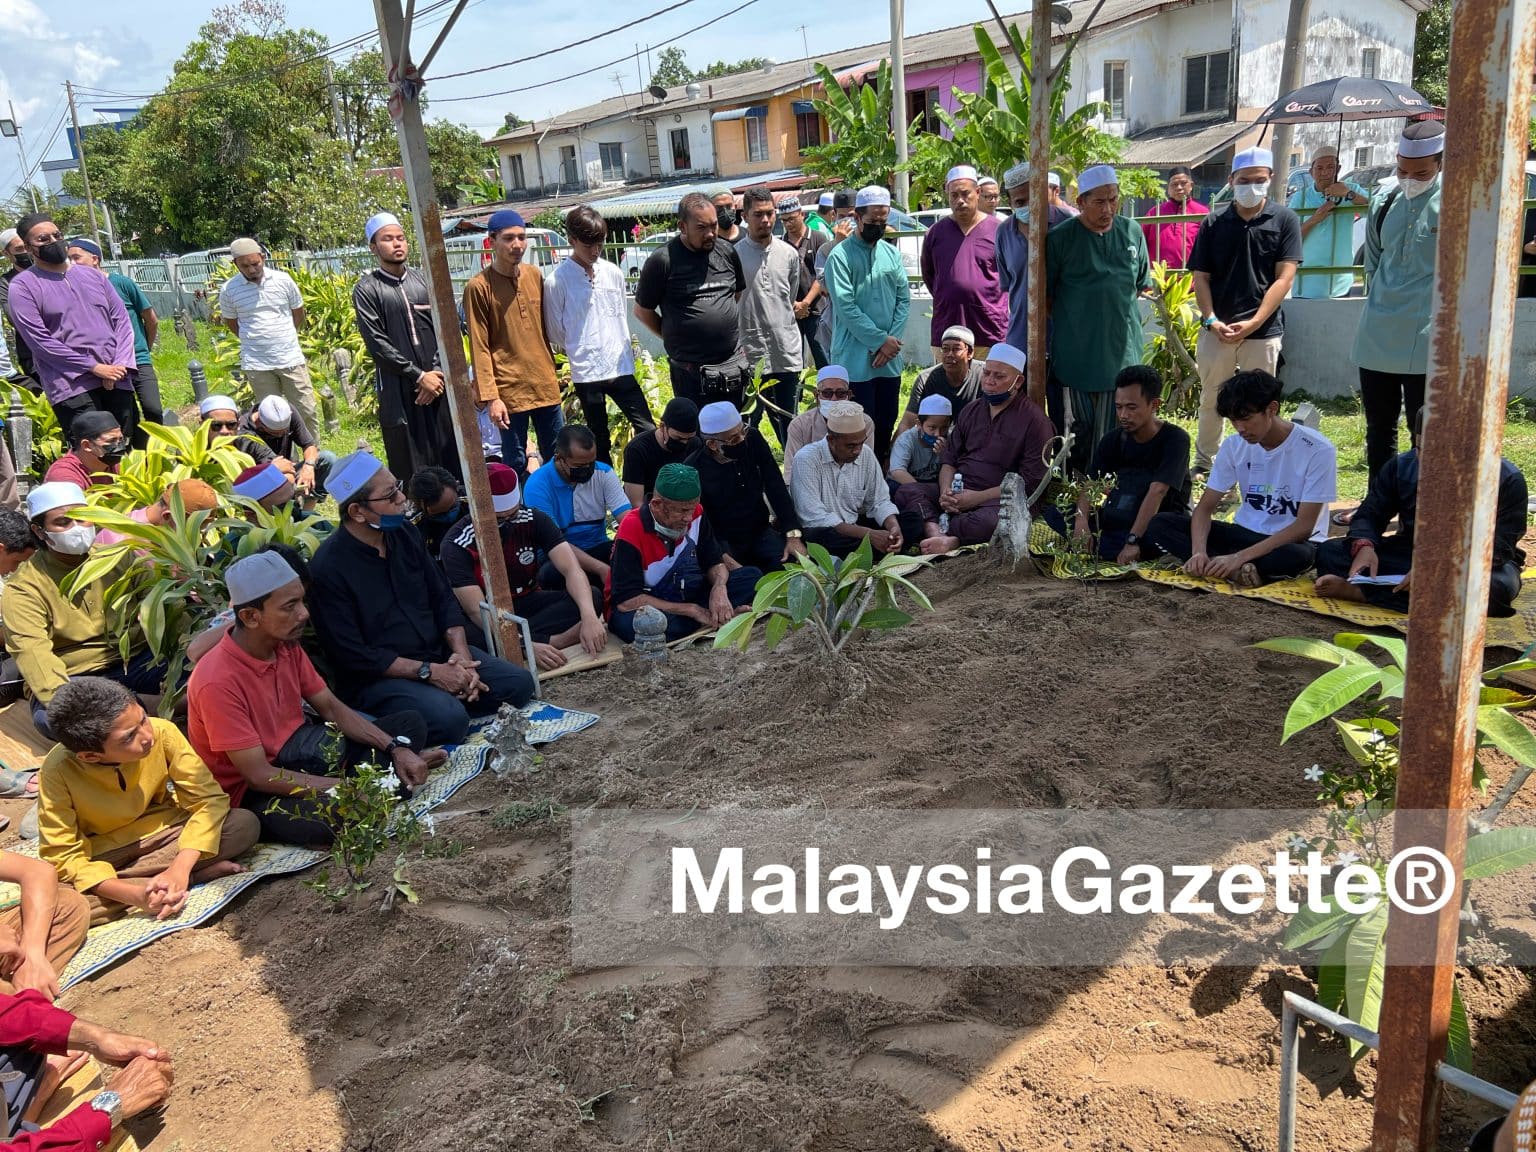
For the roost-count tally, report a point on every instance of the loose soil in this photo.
(459, 1023)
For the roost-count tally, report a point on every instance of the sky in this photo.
(129, 48)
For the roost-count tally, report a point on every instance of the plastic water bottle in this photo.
(955, 485)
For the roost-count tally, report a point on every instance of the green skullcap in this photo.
(677, 482)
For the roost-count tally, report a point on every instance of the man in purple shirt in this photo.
(960, 267)
(75, 323)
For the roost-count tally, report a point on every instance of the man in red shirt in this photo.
(99, 445)
(245, 711)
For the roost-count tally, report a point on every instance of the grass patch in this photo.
(526, 813)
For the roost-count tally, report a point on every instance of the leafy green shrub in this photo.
(1171, 347)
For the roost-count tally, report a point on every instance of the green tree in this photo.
(672, 69)
(511, 122)
(862, 149)
(459, 157)
(362, 106)
(1432, 51)
(721, 68)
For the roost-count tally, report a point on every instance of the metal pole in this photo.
(1040, 84)
(1289, 1023)
(405, 107)
(902, 182)
(1493, 44)
(85, 175)
(26, 168)
(1292, 76)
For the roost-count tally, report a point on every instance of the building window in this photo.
(1114, 88)
(682, 159)
(518, 180)
(1370, 63)
(1205, 83)
(1363, 157)
(807, 130)
(924, 103)
(612, 156)
(757, 139)
(568, 164)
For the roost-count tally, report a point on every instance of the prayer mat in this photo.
(1058, 559)
(1517, 631)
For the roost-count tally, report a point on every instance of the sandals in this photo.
(14, 781)
(1342, 519)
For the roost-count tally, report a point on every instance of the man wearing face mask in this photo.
(389, 622)
(15, 249)
(54, 637)
(1244, 261)
(740, 484)
(810, 427)
(1013, 251)
(1170, 243)
(99, 445)
(727, 218)
(844, 224)
(1392, 343)
(673, 441)
(146, 327)
(77, 328)
(439, 505)
(579, 492)
(666, 556)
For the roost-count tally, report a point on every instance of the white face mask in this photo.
(1249, 195)
(74, 541)
(1413, 189)
(824, 407)
(1022, 214)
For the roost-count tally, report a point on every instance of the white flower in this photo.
(1298, 844)
(1314, 773)
(426, 821)
(388, 782)
(1347, 858)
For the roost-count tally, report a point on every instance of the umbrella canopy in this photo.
(1346, 98)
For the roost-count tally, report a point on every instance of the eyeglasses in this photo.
(224, 425)
(740, 437)
(395, 493)
(41, 240)
(833, 393)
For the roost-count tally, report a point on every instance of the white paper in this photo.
(1387, 581)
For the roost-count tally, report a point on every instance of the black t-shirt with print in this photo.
(695, 292)
(526, 534)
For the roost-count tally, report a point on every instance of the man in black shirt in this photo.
(280, 428)
(956, 377)
(696, 283)
(1243, 261)
(740, 483)
(390, 625)
(672, 442)
(812, 298)
(1149, 460)
(439, 505)
(557, 617)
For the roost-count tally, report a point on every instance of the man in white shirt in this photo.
(1286, 475)
(262, 306)
(839, 491)
(584, 317)
(769, 331)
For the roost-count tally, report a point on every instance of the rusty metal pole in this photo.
(405, 107)
(1492, 46)
(1040, 83)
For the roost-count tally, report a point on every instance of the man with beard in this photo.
(262, 306)
(960, 267)
(99, 445)
(769, 331)
(740, 484)
(1170, 243)
(727, 218)
(146, 327)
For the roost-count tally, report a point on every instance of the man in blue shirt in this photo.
(578, 492)
(1327, 235)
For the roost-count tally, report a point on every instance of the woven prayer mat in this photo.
(1057, 558)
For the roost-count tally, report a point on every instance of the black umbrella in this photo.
(1346, 98)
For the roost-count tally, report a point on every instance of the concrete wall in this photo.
(701, 144)
(964, 75)
(783, 137)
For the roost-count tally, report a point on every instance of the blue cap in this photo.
(265, 482)
(505, 218)
(350, 475)
(89, 245)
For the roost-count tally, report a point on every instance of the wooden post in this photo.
(405, 108)
(1487, 113)
(1040, 83)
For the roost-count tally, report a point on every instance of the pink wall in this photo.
(965, 75)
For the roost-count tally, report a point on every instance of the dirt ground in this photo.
(460, 1024)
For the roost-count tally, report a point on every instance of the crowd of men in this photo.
(375, 635)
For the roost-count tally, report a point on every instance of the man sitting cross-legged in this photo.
(390, 625)
(557, 617)
(41, 933)
(1369, 551)
(840, 495)
(109, 818)
(741, 485)
(1149, 460)
(246, 719)
(666, 556)
(1285, 474)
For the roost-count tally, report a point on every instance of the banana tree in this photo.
(862, 148)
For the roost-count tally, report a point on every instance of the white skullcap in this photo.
(218, 402)
(377, 221)
(350, 475)
(1425, 138)
(1096, 177)
(244, 246)
(1008, 354)
(263, 484)
(1253, 158)
(959, 332)
(721, 416)
(959, 172)
(873, 196)
(276, 413)
(935, 406)
(54, 494)
(1053, 179)
(7, 236)
(832, 372)
(257, 575)
(986, 180)
(1325, 150)
(1017, 175)
(824, 200)
(844, 416)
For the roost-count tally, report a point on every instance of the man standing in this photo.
(1002, 432)
(988, 194)
(146, 327)
(956, 377)
(675, 437)
(1013, 252)
(1327, 237)
(77, 329)
(262, 306)
(697, 285)
(387, 619)
(812, 298)
(1096, 266)
(840, 494)
(1170, 243)
(394, 316)
(870, 298)
(727, 218)
(740, 484)
(843, 226)
(959, 263)
(810, 427)
(1243, 262)
(821, 219)
(99, 445)
(1392, 343)
(15, 249)
(508, 345)
(584, 301)
(579, 492)
(274, 423)
(1053, 182)
(769, 331)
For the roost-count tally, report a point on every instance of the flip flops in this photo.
(13, 783)
(1342, 519)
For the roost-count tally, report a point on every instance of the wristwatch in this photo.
(110, 1103)
(1207, 321)
(397, 742)
(794, 534)
(1132, 538)
(424, 673)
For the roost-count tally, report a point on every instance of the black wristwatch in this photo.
(397, 742)
(1132, 538)
(424, 673)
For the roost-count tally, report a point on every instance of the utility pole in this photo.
(338, 128)
(26, 168)
(1292, 68)
(1040, 82)
(405, 108)
(903, 180)
(85, 175)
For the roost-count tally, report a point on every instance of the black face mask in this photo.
(116, 450)
(677, 447)
(726, 217)
(735, 451)
(580, 473)
(869, 233)
(54, 252)
(22, 260)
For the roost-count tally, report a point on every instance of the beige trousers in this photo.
(1218, 363)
